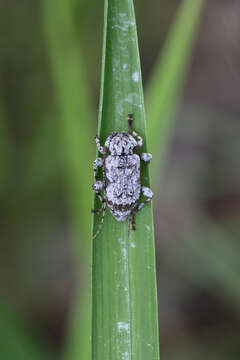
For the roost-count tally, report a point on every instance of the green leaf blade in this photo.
(167, 80)
(124, 279)
(75, 133)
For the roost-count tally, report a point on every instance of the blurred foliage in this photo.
(197, 207)
(16, 341)
(75, 130)
(164, 88)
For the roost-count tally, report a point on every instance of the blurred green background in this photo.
(197, 201)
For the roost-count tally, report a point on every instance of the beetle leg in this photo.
(102, 220)
(131, 223)
(97, 186)
(146, 157)
(132, 132)
(102, 201)
(96, 164)
(100, 148)
(100, 198)
(146, 192)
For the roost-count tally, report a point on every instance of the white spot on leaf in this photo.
(124, 252)
(147, 227)
(125, 356)
(135, 76)
(122, 326)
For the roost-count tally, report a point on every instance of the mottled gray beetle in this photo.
(121, 183)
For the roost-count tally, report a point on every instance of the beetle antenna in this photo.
(102, 220)
(130, 120)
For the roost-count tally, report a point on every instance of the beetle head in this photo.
(120, 143)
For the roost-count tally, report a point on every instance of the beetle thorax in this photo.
(120, 143)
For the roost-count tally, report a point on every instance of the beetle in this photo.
(121, 183)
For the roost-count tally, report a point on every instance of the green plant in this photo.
(124, 285)
(167, 79)
(75, 132)
(17, 341)
(124, 278)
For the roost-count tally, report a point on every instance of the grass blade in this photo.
(5, 149)
(169, 74)
(75, 133)
(17, 341)
(125, 320)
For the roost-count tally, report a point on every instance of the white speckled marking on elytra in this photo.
(135, 76)
(133, 245)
